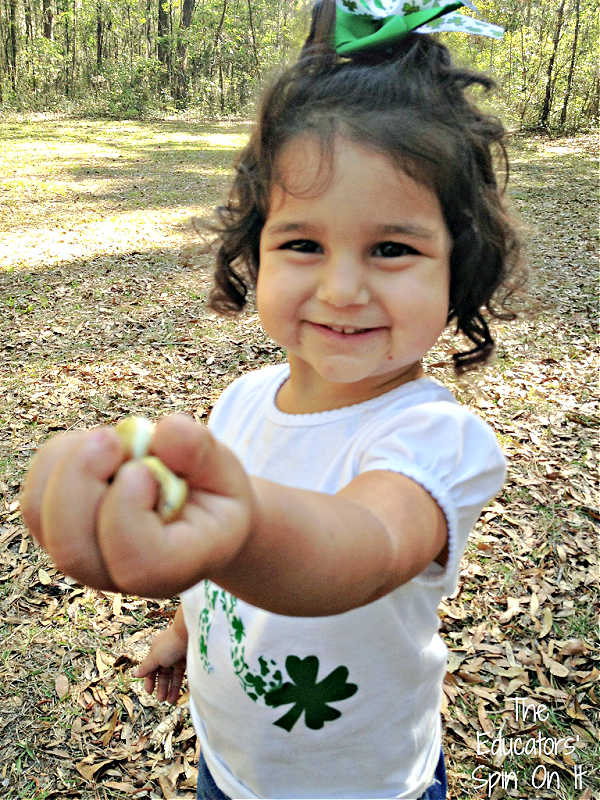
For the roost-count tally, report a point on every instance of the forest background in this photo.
(140, 58)
(103, 295)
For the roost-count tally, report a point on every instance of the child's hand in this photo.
(164, 666)
(107, 535)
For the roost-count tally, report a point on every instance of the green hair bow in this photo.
(366, 24)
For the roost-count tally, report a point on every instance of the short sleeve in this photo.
(221, 410)
(242, 394)
(454, 456)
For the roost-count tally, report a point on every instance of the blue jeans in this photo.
(208, 789)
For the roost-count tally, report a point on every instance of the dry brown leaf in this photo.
(516, 683)
(454, 660)
(76, 728)
(574, 710)
(560, 670)
(88, 771)
(573, 647)
(513, 607)
(546, 623)
(104, 662)
(111, 729)
(128, 704)
(121, 786)
(44, 578)
(444, 705)
(168, 789)
(534, 605)
(61, 685)
(117, 602)
(485, 722)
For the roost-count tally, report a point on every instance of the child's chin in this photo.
(343, 375)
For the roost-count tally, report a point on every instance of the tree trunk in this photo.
(149, 42)
(74, 51)
(67, 46)
(99, 36)
(250, 19)
(217, 39)
(182, 87)
(48, 19)
(221, 86)
(13, 42)
(163, 33)
(130, 31)
(29, 18)
(548, 98)
(563, 113)
(28, 21)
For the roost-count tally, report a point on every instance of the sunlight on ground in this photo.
(118, 233)
(85, 188)
(225, 141)
(558, 149)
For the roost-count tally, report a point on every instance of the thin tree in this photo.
(148, 30)
(163, 33)
(48, 19)
(563, 113)
(182, 84)
(548, 97)
(217, 57)
(12, 25)
(253, 35)
(99, 36)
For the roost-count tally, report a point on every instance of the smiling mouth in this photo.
(347, 330)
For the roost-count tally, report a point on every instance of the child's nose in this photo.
(342, 283)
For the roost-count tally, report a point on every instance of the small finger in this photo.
(40, 469)
(178, 671)
(150, 682)
(164, 681)
(70, 504)
(130, 533)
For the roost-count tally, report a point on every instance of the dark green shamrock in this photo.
(309, 696)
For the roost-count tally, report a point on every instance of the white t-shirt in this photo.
(344, 706)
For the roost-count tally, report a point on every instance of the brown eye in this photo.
(301, 246)
(393, 250)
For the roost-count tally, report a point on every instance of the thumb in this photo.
(191, 451)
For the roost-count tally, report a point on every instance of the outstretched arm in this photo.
(287, 550)
(311, 554)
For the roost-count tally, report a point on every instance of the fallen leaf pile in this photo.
(104, 315)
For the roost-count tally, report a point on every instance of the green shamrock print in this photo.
(266, 683)
(309, 696)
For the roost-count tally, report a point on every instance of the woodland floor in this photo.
(104, 314)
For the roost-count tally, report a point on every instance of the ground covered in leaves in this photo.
(104, 314)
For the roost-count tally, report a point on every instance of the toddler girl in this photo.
(331, 501)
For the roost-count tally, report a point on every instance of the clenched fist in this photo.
(95, 516)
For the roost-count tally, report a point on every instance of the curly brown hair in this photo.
(410, 104)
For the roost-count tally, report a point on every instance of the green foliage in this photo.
(106, 56)
(131, 91)
(520, 61)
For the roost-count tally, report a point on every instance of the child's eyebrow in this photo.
(404, 229)
(407, 229)
(290, 227)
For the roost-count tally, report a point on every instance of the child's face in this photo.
(354, 271)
